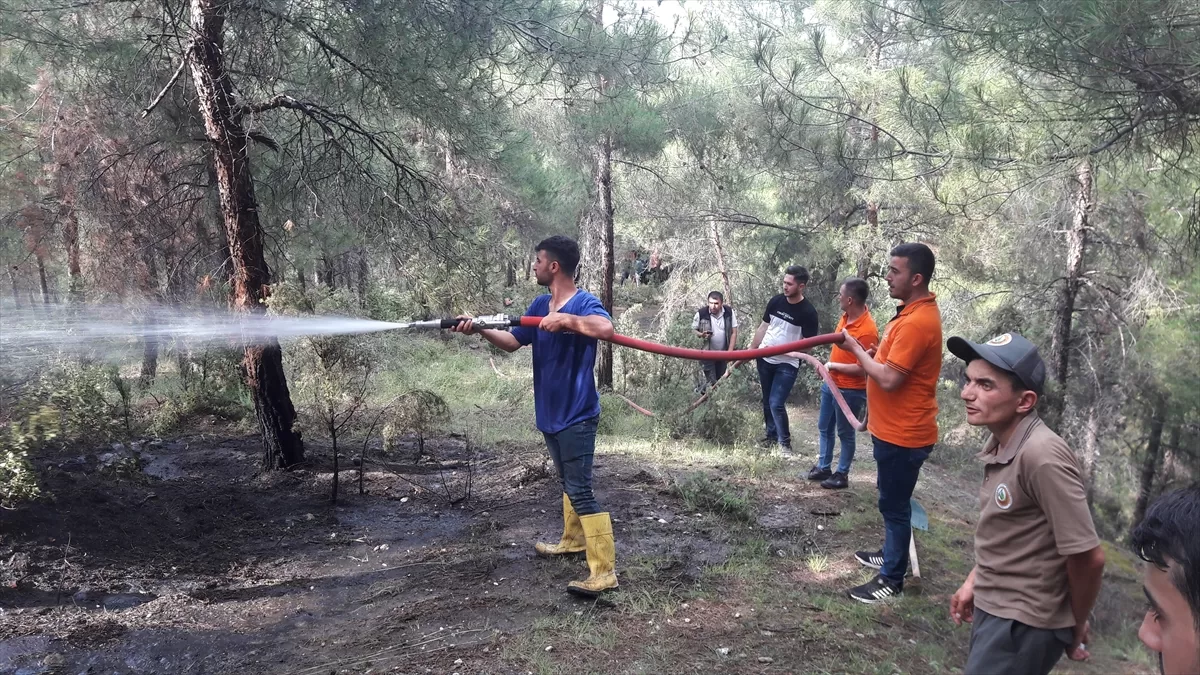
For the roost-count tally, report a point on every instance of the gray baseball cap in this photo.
(1009, 352)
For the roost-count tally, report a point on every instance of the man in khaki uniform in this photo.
(1038, 561)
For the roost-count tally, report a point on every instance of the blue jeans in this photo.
(898, 469)
(832, 417)
(572, 450)
(777, 380)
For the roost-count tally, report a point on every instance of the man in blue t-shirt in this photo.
(566, 403)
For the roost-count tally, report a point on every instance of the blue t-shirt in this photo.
(564, 382)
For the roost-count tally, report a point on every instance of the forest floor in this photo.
(728, 562)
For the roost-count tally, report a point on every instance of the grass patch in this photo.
(817, 563)
(567, 633)
(647, 601)
(750, 561)
(704, 493)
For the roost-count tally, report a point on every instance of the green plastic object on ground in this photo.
(920, 519)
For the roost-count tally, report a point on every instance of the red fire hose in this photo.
(737, 355)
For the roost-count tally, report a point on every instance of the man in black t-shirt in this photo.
(789, 317)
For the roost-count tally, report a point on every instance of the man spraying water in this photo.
(566, 402)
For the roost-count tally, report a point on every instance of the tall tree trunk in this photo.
(327, 275)
(714, 233)
(603, 156)
(1091, 452)
(71, 243)
(16, 292)
(1077, 240)
(599, 241)
(1150, 461)
(863, 266)
(149, 338)
(361, 276)
(41, 268)
(263, 363)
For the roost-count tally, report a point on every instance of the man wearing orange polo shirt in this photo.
(902, 397)
(850, 380)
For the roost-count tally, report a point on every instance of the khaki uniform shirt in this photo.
(1033, 514)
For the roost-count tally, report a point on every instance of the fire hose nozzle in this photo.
(497, 321)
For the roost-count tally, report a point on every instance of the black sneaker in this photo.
(817, 473)
(838, 481)
(876, 591)
(872, 559)
(767, 441)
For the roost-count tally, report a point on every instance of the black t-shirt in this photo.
(788, 323)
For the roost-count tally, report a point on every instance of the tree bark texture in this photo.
(71, 243)
(714, 233)
(1082, 204)
(12, 281)
(603, 157)
(263, 363)
(149, 339)
(1151, 460)
(41, 268)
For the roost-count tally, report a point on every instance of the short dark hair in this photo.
(717, 295)
(563, 250)
(919, 256)
(858, 289)
(798, 272)
(1171, 532)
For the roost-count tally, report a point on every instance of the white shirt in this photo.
(717, 340)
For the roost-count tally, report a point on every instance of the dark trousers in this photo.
(776, 380)
(713, 370)
(1004, 647)
(898, 469)
(572, 450)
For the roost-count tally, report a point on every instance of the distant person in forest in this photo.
(902, 382)
(1168, 538)
(717, 326)
(851, 381)
(629, 268)
(1038, 561)
(566, 403)
(788, 317)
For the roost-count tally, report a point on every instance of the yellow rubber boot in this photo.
(572, 541)
(601, 556)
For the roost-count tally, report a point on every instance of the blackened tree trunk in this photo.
(71, 243)
(327, 274)
(1151, 460)
(362, 274)
(12, 280)
(603, 156)
(714, 233)
(263, 364)
(1077, 241)
(41, 268)
(149, 335)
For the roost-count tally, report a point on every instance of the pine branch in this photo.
(170, 83)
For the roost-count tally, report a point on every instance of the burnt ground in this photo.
(190, 562)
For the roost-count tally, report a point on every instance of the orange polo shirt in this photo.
(912, 344)
(866, 332)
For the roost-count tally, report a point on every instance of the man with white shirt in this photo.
(789, 317)
(717, 326)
